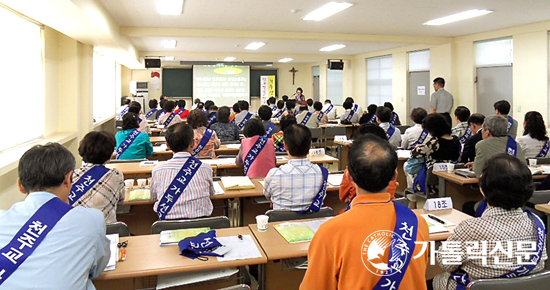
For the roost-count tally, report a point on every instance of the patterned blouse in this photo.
(213, 143)
(226, 131)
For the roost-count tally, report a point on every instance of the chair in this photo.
(119, 228)
(538, 197)
(283, 215)
(317, 135)
(236, 287)
(402, 128)
(118, 123)
(126, 160)
(330, 132)
(535, 281)
(219, 222)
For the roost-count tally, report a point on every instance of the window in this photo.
(379, 79)
(335, 88)
(22, 79)
(419, 60)
(497, 52)
(105, 79)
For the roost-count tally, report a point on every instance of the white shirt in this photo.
(332, 114)
(531, 147)
(395, 139)
(354, 119)
(411, 135)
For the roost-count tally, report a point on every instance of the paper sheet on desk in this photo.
(280, 158)
(219, 161)
(335, 179)
(178, 279)
(218, 189)
(114, 252)
(240, 249)
(436, 227)
(160, 148)
(403, 153)
(233, 146)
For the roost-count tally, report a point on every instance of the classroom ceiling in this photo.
(375, 25)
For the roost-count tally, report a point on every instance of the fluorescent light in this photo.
(169, 58)
(170, 7)
(287, 59)
(229, 58)
(327, 10)
(169, 43)
(457, 17)
(332, 47)
(254, 45)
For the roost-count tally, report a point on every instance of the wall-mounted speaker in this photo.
(335, 65)
(152, 63)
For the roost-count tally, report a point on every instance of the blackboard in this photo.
(177, 82)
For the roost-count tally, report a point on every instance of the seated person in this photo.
(208, 104)
(131, 143)
(369, 116)
(337, 255)
(194, 201)
(265, 115)
(356, 107)
(212, 116)
(475, 123)
(196, 103)
(153, 111)
(278, 139)
(309, 103)
(502, 108)
(461, 115)
(143, 124)
(534, 141)
(506, 185)
(321, 116)
(395, 118)
(307, 118)
(271, 103)
(161, 111)
(204, 146)
(347, 189)
(257, 153)
(383, 117)
(243, 115)
(96, 149)
(413, 136)
(279, 110)
(181, 111)
(74, 250)
(225, 130)
(290, 108)
(236, 110)
(330, 110)
(120, 112)
(351, 114)
(295, 185)
(169, 118)
(495, 141)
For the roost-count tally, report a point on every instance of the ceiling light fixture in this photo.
(254, 45)
(170, 7)
(327, 10)
(169, 58)
(287, 59)
(169, 43)
(332, 47)
(229, 58)
(459, 16)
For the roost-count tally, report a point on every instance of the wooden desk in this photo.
(545, 208)
(163, 155)
(155, 139)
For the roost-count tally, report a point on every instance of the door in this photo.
(316, 88)
(493, 84)
(419, 91)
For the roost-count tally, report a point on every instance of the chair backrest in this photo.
(333, 131)
(126, 160)
(281, 153)
(119, 228)
(237, 287)
(540, 196)
(284, 215)
(543, 160)
(219, 222)
(316, 133)
(535, 281)
(402, 128)
(118, 123)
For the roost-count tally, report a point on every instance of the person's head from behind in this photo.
(134, 109)
(317, 106)
(327, 101)
(253, 127)
(162, 102)
(197, 101)
(370, 128)
(347, 105)
(506, 182)
(439, 83)
(180, 137)
(169, 106)
(287, 121)
(197, 119)
(243, 105)
(475, 122)
(349, 99)
(208, 104)
(303, 108)
(213, 108)
(436, 125)
(297, 139)
(130, 121)
(383, 114)
(534, 126)
(309, 102)
(97, 147)
(135, 104)
(181, 104)
(271, 101)
(153, 104)
(223, 114)
(280, 104)
(502, 108)
(495, 126)
(200, 106)
(236, 108)
(372, 163)
(371, 109)
(284, 98)
(388, 105)
(127, 101)
(264, 112)
(47, 168)
(462, 113)
(418, 115)
(290, 104)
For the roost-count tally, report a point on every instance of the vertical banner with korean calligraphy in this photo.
(264, 89)
(271, 86)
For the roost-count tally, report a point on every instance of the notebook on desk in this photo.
(237, 182)
(465, 172)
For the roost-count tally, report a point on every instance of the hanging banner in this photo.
(155, 81)
(264, 89)
(271, 85)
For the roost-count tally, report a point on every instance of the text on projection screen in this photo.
(225, 85)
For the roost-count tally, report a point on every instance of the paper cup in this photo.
(129, 184)
(149, 180)
(141, 183)
(450, 167)
(262, 220)
(532, 162)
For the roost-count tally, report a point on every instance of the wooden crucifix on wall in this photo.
(293, 71)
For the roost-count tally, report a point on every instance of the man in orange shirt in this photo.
(353, 250)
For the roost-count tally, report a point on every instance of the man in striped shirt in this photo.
(195, 200)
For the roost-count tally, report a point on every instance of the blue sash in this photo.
(462, 279)
(329, 109)
(161, 113)
(124, 111)
(269, 130)
(420, 139)
(181, 112)
(510, 123)
(253, 152)
(29, 237)
(306, 118)
(178, 186)
(373, 119)
(394, 118)
(233, 121)
(352, 112)
(86, 182)
(278, 114)
(544, 150)
(465, 137)
(150, 113)
(421, 180)
(401, 247)
(318, 200)
(126, 143)
(241, 124)
(390, 131)
(169, 119)
(212, 119)
(512, 147)
(140, 119)
(204, 140)
(320, 116)
(280, 148)
(205, 111)
(273, 109)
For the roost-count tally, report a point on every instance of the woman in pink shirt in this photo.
(264, 159)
